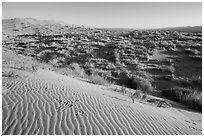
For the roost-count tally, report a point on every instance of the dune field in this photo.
(49, 103)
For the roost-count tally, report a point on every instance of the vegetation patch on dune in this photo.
(187, 96)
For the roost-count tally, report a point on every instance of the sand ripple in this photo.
(47, 103)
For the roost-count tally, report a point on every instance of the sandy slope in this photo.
(49, 103)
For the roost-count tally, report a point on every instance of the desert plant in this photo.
(170, 69)
(134, 95)
(57, 62)
(142, 74)
(96, 79)
(196, 57)
(45, 55)
(123, 90)
(192, 51)
(8, 74)
(189, 82)
(190, 97)
(187, 96)
(77, 70)
(140, 83)
(164, 44)
(144, 96)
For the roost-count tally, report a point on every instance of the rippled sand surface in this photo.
(50, 103)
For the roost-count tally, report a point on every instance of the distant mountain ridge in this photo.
(184, 29)
(9, 24)
(192, 29)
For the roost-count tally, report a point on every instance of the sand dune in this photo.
(49, 103)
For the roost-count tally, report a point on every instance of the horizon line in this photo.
(58, 21)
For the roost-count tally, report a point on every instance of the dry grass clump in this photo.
(140, 83)
(188, 96)
(170, 69)
(45, 55)
(77, 70)
(192, 51)
(123, 90)
(166, 61)
(57, 62)
(142, 74)
(8, 74)
(190, 81)
(196, 57)
(96, 79)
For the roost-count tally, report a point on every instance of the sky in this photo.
(110, 15)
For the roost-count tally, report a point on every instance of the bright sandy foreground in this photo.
(50, 103)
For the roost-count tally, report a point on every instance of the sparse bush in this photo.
(192, 51)
(8, 74)
(139, 66)
(188, 96)
(166, 61)
(110, 66)
(65, 71)
(57, 62)
(196, 57)
(96, 79)
(64, 52)
(170, 69)
(196, 80)
(188, 82)
(45, 55)
(164, 44)
(77, 70)
(144, 96)
(123, 90)
(142, 74)
(140, 83)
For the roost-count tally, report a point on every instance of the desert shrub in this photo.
(188, 82)
(136, 94)
(124, 90)
(142, 74)
(96, 79)
(149, 44)
(110, 66)
(164, 77)
(139, 66)
(143, 55)
(140, 83)
(166, 61)
(195, 57)
(89, 67)
(57, 62)
(196, 80)
(65, 71)
(45, 55)
(170, 69)
(192, 51)
(64, 52)
(187, 96)
(104, 74)
(164, 44)
(77, 70)
(144, 96)
(117, 56)
(8, 74)
(101, 44)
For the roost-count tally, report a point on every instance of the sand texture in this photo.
(50, 103)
